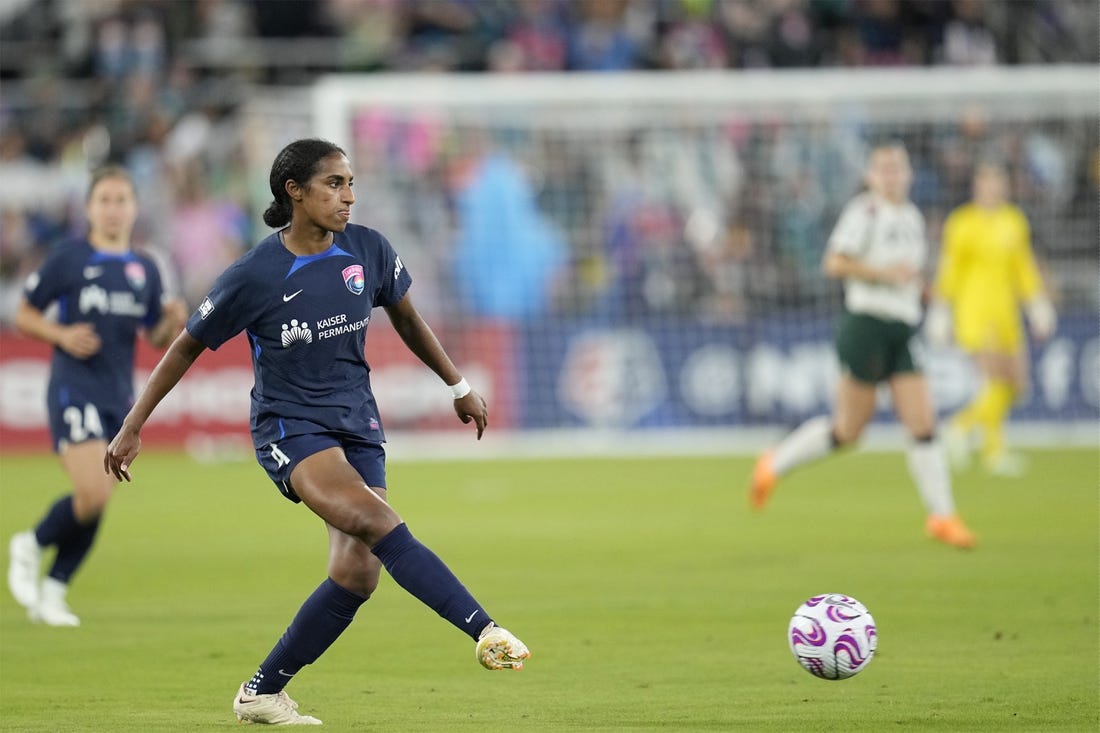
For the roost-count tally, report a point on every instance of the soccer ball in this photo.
(832, 636)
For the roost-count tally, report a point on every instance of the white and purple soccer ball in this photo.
(832, 636)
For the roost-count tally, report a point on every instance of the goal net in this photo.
(642, 251)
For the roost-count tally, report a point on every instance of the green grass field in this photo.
(651, 597)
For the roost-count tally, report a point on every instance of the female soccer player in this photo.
(878, 248)
(987, 271)
(106, 292)
(304, 297)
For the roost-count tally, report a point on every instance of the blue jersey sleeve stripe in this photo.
(98, 256)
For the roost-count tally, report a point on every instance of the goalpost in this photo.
(637, 255)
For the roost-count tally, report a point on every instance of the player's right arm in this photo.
(1028, 283)
(848, 244)
(76, 339)
(173, 365)
(47, 285)
(843, 266)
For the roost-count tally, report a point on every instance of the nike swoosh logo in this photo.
(292, 296)
(471, 616)
(285, 674)
(91, 273)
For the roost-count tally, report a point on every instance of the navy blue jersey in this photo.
(117, 294)
(306, 321)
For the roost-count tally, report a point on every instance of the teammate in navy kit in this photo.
(303, 297)
(105, 293)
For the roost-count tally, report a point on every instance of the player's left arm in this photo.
(422, 342)
(173, 314)
(1041, 316)
(166, 315)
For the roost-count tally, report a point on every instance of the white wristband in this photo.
(460, 390)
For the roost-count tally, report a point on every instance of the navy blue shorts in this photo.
(279, 459)
(75, 421)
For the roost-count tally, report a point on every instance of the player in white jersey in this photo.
(878, 249)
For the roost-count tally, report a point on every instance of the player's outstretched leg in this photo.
(24, 568)
(420, 572)
(276, 709)
(808, 442)
(498, 648)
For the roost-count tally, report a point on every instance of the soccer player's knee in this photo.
(361, 581)
(89, 506)
(841, 438)
(372, 522)
(923, 430)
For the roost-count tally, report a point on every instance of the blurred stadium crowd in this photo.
(158, 85)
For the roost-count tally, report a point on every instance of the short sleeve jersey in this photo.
(117, 293)
(882, 234)
(306, 319)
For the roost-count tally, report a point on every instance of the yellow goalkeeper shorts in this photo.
(988, 334)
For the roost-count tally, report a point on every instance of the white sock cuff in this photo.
(928, 467)
(808, 442)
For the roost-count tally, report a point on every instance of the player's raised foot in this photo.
(1005, 464)
(498, 648)
(51, 608)
(957, 444)
(275, 709)
(950, 530)
(764, 480)
(24, 563)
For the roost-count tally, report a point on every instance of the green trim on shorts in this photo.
(873, 349)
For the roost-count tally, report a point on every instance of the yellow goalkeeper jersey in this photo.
(986, 271)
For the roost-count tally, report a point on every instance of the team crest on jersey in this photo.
(135, 274)
(354, 279)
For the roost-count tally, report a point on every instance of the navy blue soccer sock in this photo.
(59, 523)
(73, 539)
(420, 571)
(318, 623)
(72, 550)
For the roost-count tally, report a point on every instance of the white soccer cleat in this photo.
(498, 648)
(24, 567)
(51, 608)
(276, 709)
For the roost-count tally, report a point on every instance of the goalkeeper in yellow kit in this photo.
(987, 272)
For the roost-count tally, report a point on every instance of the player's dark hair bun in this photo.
(277, 215)
(296, 162)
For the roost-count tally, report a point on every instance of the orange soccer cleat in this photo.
(950, 530)
(764, 480)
